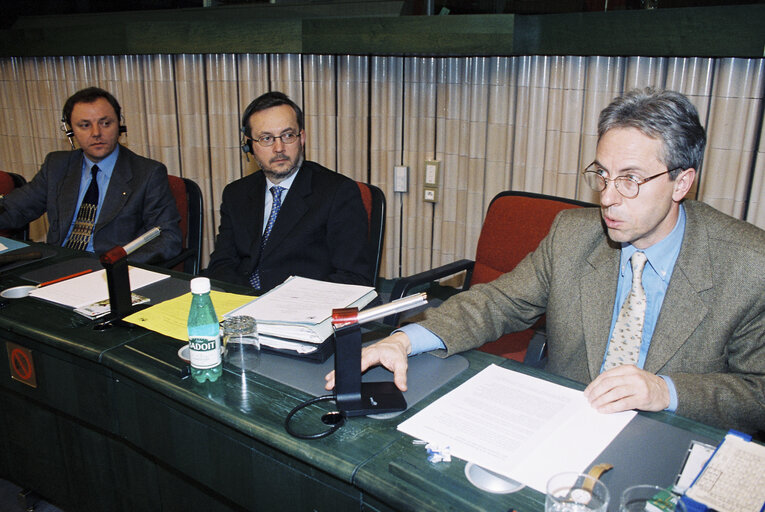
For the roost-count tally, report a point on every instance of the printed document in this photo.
(519, 426)
(91, 288)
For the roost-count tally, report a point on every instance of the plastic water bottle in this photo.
(204, 333)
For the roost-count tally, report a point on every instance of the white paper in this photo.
(519, 426)
(91, 288)
(303, 300)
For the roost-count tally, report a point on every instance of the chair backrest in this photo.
(515, 224)
(188, 199)
(374, 203)
(8, 182)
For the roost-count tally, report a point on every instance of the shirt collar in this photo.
(661, 255)
(286, 184)
(106, 166)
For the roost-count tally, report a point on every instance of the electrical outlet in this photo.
(430, 194)
(400, 178)
(432, 168)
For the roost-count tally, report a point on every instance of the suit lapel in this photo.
(118, 192)
(68, 194)
(598, 289)
(682, 310)
(292, 210)
(256, 198)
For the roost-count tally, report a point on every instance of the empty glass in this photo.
(646, 497)
(575, 492)
(242, 347)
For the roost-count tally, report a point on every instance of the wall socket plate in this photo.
(432, 173)
(400, 178)
(430, 195)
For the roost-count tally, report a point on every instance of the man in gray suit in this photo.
(130, 194)
(700, 349)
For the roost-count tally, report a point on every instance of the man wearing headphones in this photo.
(295, 217)
(102, 194)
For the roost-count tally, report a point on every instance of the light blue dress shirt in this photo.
(656, 275)
(286, 184)
(105, 169)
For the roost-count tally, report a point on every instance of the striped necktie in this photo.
(276, 192)
(86, 216)
(628, 330)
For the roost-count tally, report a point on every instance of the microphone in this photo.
(118, 252)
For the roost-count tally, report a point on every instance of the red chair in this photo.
(515, 224)
(188, 199)
(374, 203)
(8, 182)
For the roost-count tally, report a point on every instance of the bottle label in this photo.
(204, 352)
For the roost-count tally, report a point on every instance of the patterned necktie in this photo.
(86, 217)
(628, 331)
(276, 192)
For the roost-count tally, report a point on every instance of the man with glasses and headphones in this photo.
(101, 195)
(654, 301)
(294, 217)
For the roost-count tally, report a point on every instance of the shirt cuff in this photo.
(672, 407)
(421, 339)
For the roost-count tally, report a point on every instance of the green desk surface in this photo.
(229, 435)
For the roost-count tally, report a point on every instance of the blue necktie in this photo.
(277, 193)
(86, 216)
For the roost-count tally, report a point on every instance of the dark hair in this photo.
(268, 100)
(89, 95)
(664, 115)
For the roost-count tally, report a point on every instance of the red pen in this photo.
(58, 280)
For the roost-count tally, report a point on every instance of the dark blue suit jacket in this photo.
(138, 198)
(320, 233)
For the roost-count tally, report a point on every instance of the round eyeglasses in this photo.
(269, 140)
(628, 186)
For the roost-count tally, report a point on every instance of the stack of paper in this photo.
(301, 309)
(91, 288)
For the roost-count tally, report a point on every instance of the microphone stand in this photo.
(118, 278)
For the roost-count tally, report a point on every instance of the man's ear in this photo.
(683, 183)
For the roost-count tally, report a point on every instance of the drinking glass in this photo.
(638, 497)
(242, 347)
(575, 492)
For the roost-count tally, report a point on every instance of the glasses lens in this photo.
(288, 138)
(265, 140)
(627, 187)
(595, 180)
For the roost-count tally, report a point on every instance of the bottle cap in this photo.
(200, 285)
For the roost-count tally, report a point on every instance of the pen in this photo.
(58, 280)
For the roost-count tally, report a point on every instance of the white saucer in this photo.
(17, 292)
(490, 481)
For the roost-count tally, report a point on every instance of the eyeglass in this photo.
(628, 186)
(269, 140)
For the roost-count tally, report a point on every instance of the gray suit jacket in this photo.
(138, 198)
(710, 334)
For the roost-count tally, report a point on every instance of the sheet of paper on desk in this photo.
(170, 317)
(525, 428)
(91, 288)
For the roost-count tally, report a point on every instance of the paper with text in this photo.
(91, 288)
(519, 426)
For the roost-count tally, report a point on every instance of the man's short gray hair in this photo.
(664, 115)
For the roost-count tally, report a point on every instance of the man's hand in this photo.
(391, 352)
(627, 387)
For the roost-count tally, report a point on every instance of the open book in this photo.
(301, 308)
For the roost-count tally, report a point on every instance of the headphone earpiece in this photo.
(246, 144)
(67, 131)
(123, 127)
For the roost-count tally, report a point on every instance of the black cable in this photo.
(319, 435)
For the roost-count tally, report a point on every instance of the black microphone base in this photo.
(376, 398)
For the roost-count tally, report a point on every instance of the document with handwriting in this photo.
(519, 426)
